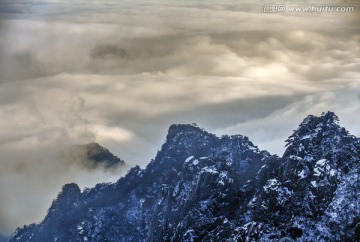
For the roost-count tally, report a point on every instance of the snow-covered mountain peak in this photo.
(186, 132)
(201, 187)
(313, 127)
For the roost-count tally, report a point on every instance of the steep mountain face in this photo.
(204, 188)
(306, 194)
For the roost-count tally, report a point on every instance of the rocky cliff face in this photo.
(204, 188)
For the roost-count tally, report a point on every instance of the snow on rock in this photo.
(321, 167)
(195, 162)
(189, 158)
(271, 184)
(209, 169)
(314, 183)
(302, 174)
(233, 192)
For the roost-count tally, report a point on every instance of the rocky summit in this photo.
(93, 156)
(201, 187)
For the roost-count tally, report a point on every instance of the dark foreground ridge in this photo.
(204, 188)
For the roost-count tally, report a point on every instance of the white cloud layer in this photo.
(121, 73)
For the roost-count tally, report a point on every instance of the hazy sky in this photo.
(120, 72)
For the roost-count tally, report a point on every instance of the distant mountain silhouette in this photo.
(93, 155)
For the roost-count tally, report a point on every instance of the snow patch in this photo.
(307, 136)
(302, 174)
(321, 167)
(333, 172)
(224, 177)
(321, 162)
(189, 159)
(313, 183)
(209, 169)
(271, 184)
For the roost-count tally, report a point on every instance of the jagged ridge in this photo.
(204, 188)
